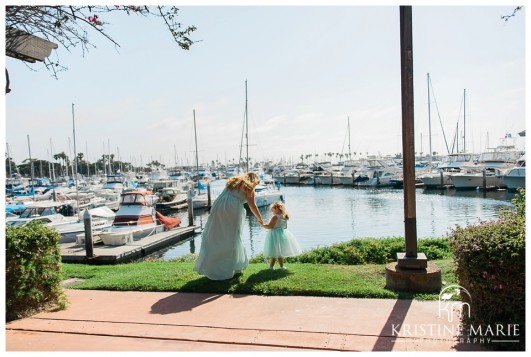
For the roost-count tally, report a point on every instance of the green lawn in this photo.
(362, 281)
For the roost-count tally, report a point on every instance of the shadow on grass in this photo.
(203, 290)
(258, 283)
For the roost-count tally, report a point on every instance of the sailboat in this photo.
(200, 200)
(266, 192)
(453, 163)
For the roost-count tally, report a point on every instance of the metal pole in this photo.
(209, 202)
(87, 221)
(408, 126)
(190, 208)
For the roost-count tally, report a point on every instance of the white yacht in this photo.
(451, 164)
(488, 172)
(330, 177)
(62, 216)
(378, 172)
(515, 177)
(266, 192)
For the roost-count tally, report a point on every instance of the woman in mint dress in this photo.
(222, 253)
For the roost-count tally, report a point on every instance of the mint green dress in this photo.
(280, 242)
(222, 253)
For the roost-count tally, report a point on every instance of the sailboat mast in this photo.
(196, 155)
(246, 127)
(429, 115)
(32, 173)
(86, 157)
(53, 163)
(75, 156)
(9, 160)
(109, 151)
(348, 124)
(464, 120)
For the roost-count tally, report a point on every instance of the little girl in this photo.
(279, 242)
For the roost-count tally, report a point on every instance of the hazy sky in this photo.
(308, 68)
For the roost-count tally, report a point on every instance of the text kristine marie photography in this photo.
(451, 329)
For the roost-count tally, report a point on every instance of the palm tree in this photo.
(62, 156)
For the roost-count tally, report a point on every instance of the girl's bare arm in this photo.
(271, 223)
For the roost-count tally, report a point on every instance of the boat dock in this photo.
(114, 254)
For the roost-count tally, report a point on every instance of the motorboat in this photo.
(515, 177)
(102, 218)
(294, 176)
(171, 198)
(115, 183)
(49, 212)
(136, 218)
(348, 174)
(63, 217)
(378, 172)
(488, 172)
(200, 200)
(439, 175)
(232, 171)
(330, 177)
(267, 192)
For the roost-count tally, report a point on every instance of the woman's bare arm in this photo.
(252, 205)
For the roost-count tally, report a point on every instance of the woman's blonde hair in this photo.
(246, 181)
(279, 205)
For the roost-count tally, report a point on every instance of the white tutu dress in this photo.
(280, 242)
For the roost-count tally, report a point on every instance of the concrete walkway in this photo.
(167, 321)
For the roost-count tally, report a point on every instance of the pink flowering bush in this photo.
(489, 262)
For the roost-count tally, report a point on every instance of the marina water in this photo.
(323, 215)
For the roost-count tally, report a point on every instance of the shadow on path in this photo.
(386, 339)
(180, 302)
(203, 290)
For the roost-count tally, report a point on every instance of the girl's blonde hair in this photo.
(247, 181)
(279, 205)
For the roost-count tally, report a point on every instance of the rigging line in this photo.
(344, 141)
(241, 141)
(439, 115)
(456, 136)
(260, 147)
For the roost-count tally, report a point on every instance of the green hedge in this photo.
(33, 270)
(368, 251)
(489, 260)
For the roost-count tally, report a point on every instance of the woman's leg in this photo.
(272, 262)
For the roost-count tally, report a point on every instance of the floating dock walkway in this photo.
(109, 254)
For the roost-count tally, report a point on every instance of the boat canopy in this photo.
(144, 198)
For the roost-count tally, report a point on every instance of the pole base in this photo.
(419, 262)
(413, 280)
